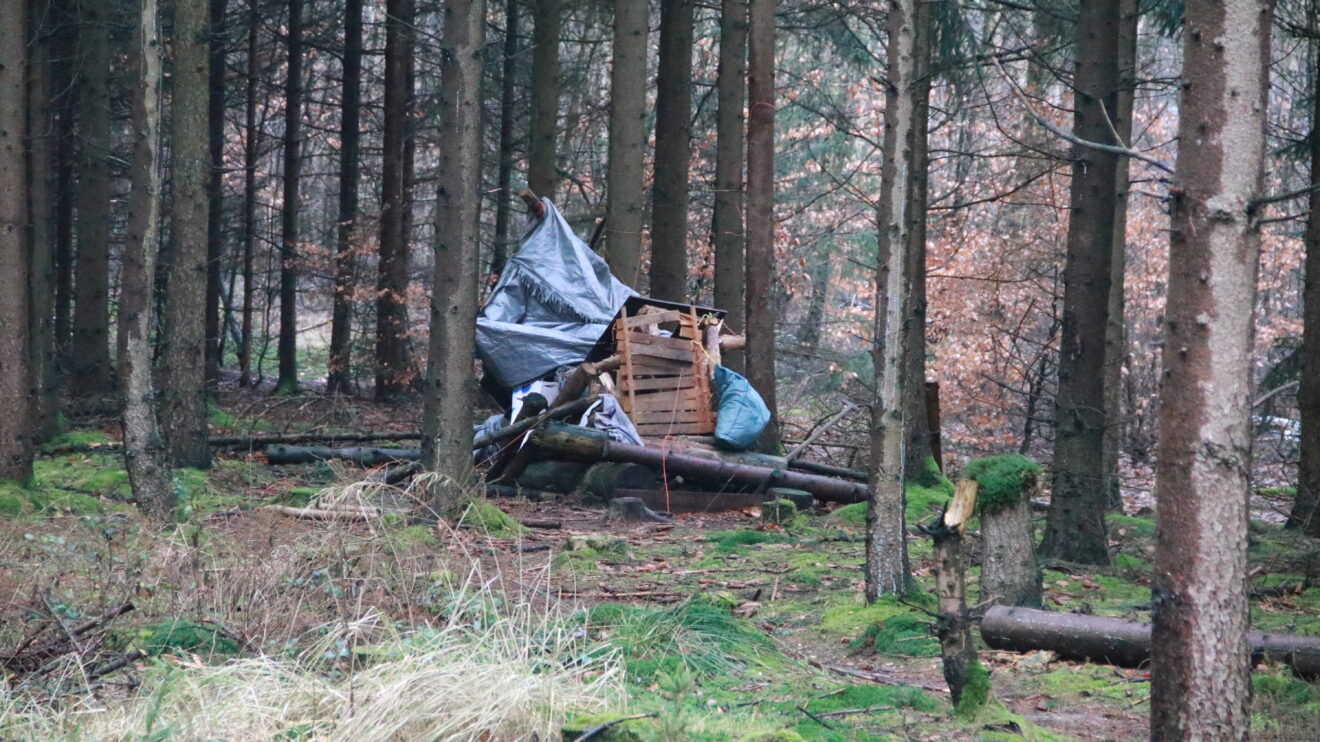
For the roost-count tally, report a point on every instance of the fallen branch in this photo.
(820, 430)
(352, 516)
(543, 524)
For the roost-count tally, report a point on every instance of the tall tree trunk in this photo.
(145, 456)
(183, 356)
(63, 71)
(15, 371)
(547, 17)
(251, 138)
(393, 361)
(215, 239)
(626, 170)
(1305, 513)
(1115, 340)
(450, 387)
(760, 231)
(91, 373)
(288, 345)
(886, 544)
(508, 116)
(727, 221)
(673, 129)
(1200, 681)
(341, 321)
(916, 446)
(42, 122)
(1075, 529)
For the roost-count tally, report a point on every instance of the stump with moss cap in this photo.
(1010, 574)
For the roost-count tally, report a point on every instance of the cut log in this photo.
(604, 480)
(552, 476)
(633, 509)
(829, 470)
(557, 440)
(1120, 642)
(316, 514)
(688, 501)
(360, 455)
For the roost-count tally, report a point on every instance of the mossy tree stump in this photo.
(1010, 574)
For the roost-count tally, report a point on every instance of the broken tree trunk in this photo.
(1120, 642)
(952, 623)
(557, 440)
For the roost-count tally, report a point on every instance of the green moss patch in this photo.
(1001, 480)
(731, 540)
(74, 438)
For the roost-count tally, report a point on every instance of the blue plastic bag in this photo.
(741, 414)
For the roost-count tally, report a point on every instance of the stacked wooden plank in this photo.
(664, 379)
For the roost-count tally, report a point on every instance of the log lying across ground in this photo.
(1119, 642)
(360, 455)
(557, 440)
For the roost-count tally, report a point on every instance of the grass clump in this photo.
(699, 636)
(1001, 480)
(181, 636)
(484, 516)
(731, 540)
(904, 635)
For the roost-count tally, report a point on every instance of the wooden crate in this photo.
(664, 382)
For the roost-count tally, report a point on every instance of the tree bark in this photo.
(760, 209)
(340, 376)
(916, 445)
(542, 178)
(1305, 514)
(91, 372)
(1200, 685)
(1075, 529)
(41, 115)
(251, 140)
(288, 344)
(673, 130)
(215, 238)
(508, 116)
(450, 388)
(393, 359)
(1115, 336)
(15, 370)
(183, 354)
(1010, 574)
(886, 543)
(145, 455)
(625, 173)
(727, 220)
(63, 71)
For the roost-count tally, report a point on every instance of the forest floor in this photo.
(256, 625)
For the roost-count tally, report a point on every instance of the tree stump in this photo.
(778, 512)
(633, 509)
(953, 626)
(1010, 574)
(802, 499)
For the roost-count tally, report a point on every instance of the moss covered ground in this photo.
(725, 626)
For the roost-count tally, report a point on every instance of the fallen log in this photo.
(828, 470)
(351, 516)
(1120, 642)
(360, 455)
(557, 440)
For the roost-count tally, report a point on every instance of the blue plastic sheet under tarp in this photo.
(553, 301)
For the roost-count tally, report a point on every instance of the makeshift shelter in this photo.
(552, 303)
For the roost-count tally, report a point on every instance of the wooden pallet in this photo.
(664, 381)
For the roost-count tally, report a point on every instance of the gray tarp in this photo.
(553, 301)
